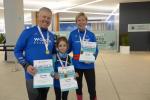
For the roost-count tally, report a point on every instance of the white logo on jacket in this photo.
(40, 41)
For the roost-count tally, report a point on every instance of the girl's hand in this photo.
(56, 76)
(76, 75)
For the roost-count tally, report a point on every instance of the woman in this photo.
(76, 39)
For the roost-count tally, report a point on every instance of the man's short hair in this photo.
(45, 9)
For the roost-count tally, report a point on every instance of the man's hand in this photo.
(31, 70)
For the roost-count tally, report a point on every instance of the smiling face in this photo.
(44, 19)
(62, 47)
(81, 21)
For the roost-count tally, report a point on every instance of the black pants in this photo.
(36, 93)
(90, 80)
(61, 95)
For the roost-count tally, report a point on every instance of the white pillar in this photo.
(14, 23)
(14, 20)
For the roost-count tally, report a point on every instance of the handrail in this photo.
(5, 48)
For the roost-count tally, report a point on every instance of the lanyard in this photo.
(44, 40)
(83, 36)
(61, 61)
(81, 40)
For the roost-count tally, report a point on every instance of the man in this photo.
(35, 43)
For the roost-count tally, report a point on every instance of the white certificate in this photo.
(88, 50)
(43, 76)
(67, 78)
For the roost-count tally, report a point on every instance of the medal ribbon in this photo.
(83, 36)
(44, 40)
(81, 40)
(61, 61)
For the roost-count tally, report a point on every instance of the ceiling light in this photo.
(75, 6)
(113, 12)
(58, 11)
(51, 4)
(106, 8)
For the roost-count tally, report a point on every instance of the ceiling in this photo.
(95, 9)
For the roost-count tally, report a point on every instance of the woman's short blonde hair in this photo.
(81, 14)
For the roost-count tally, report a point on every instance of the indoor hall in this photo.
(122, 31)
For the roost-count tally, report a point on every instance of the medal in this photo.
(81, 51)
(65, 73)
(47, 52)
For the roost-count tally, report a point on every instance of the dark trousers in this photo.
(36, 93)
(61, 95)
(90, 80)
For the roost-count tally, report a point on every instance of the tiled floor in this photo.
(118, 77)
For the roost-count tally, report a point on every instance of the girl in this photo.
(76, 38)
(62, 60)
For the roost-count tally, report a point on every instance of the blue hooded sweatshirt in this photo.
(75, 46)
(30, 47)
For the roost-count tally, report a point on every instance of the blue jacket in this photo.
(57, 65)
(30, 47)
(75, 46)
